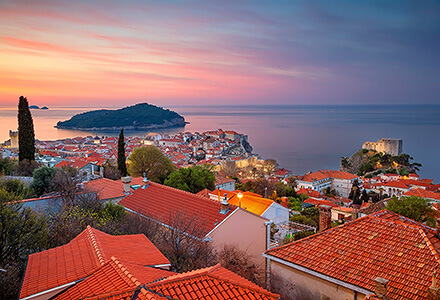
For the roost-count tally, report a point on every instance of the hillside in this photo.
(369, 162)
(139, 116)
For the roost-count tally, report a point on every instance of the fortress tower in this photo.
(385, 145)
(14, 138)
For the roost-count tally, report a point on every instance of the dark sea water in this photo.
(300, 138)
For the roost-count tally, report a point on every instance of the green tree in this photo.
(149, 160)
(22, 232)
(7, 166)
(355, 193)
(42, 178)
(26, 136)
(260, 186)
(192, 179)
(14, 189)
(308, 216)
(415, 208)
(284, 190)
(122, 167)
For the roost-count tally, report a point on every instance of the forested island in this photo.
(139, 116)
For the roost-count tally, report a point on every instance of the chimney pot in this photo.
(126, 182)
(433, 290)
(224, 205)
(325, 217)
(381, 287)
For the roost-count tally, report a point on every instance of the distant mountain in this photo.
(139, 116)
(44, 107)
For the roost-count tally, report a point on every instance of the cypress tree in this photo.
(26, 135)
(122, 167)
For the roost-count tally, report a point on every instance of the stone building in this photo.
(385, 145)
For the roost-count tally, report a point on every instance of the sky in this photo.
(230, 52)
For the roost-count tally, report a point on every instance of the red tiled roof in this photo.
(213, 282)
(79, 163)
(110, 189)
(114, 280)
(164, 204)
(422, 193)
(309, 192)
(320, 202)
(82, 255)
(323, 174)
(397, 184)
(222, 180)
(204, 193)
(63, 163)
(382, 244)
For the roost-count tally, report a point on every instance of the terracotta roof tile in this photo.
(323, 174)
(382, 244)
(82, 256)
(320, 202)
(213, 282)
(222, 180)
(422, 193)
(114, 280)
(165, 204)
(110, 189)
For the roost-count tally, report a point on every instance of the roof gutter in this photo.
(319, 275)
(212, 230)
(51, 290)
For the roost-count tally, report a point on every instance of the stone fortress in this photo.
(385, 145)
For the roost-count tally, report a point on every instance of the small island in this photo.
(37, 107)
(140, 116)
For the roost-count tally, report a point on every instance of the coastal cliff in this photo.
(139, 116)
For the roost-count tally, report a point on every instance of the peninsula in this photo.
(139, 116)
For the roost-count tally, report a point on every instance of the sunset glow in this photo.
(76, 53)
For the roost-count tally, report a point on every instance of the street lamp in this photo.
(240, 195)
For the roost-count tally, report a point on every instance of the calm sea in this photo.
(300, 138)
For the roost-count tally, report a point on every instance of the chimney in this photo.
(434, 291)
(284, 201)
(380, 287)
(224, 205)
(325, 217)
(126, 181)
(145, 182)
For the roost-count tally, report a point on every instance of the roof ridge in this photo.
(181, 276)
(185, 192)
(125, 271)
(95, 245)
(207, 274)
(430, 245)
(419, 224)
(227, 280)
